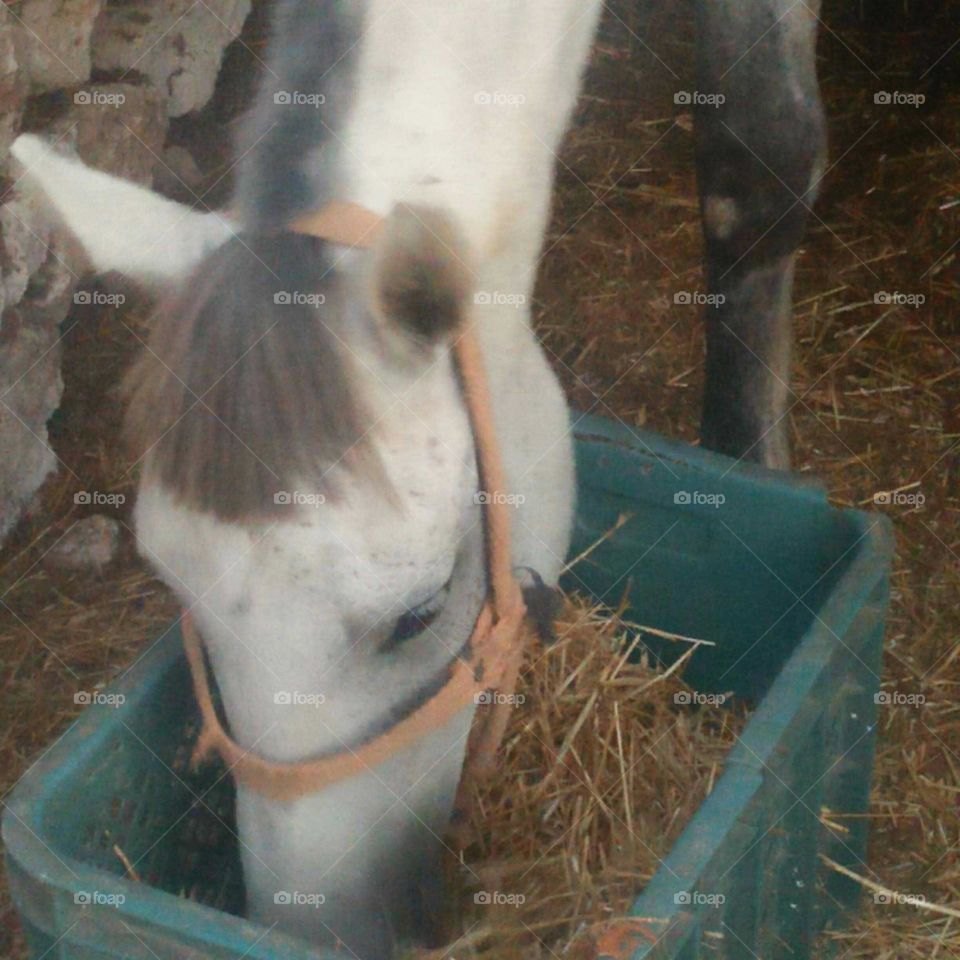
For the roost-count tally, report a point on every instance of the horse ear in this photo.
(421, 280)
(119, 225)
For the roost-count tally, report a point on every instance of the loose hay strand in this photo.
(919, 902)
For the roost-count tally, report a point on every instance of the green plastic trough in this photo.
(793, 593)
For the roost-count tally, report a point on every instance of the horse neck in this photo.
(462, 119)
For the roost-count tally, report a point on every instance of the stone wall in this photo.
(102, 77)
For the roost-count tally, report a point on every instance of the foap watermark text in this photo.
(296, 898)
(96, 498)
(899, 498)
(297, 98)
(686, 498)
(97, 898)
(498, 98)
(697, 98)
(297, 698)
(295, 298)
(495, 697)
(97, 298)
(99, 98)
(496, 298)
(482, 497)
(897, 698)
(698, 299)
(899, 98)
(896, 298)
(694, 898)
(497, 898)
(297, 498)
(98, 698)
(696, 698)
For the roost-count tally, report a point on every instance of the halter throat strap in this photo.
(495, 646)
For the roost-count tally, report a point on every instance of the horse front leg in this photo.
(761, 144)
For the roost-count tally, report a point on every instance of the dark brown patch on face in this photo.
(245, 388)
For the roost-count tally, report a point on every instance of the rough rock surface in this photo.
(117, 128)
(35, 288)
(52, 39)
(13, 81)
(163, 57)
(178, 44)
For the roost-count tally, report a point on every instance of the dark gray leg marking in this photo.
(759, 157)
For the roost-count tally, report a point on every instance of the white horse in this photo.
(309, 487)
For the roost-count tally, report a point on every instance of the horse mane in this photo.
(245, 388)
(313, 44)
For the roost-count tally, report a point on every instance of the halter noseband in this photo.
(495, 647)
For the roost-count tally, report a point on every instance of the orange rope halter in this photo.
(495, 645)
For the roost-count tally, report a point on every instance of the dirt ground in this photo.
(875, 406)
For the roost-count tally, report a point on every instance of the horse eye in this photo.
(412, 623)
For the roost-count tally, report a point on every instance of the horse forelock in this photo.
(247, 387)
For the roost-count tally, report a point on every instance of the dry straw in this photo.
(604, 763)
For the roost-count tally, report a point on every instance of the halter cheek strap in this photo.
(495, 646)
